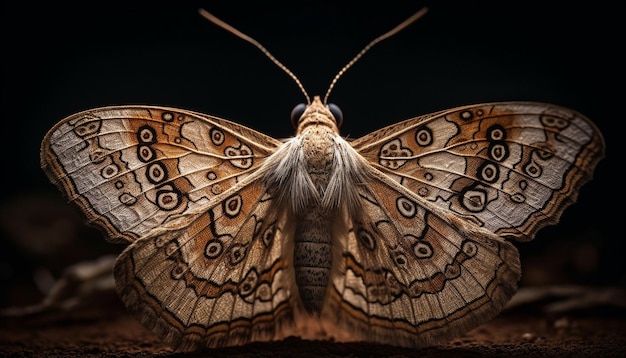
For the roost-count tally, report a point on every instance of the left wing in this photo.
(132, 168)
(225, 279)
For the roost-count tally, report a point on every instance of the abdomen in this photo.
(313, 257)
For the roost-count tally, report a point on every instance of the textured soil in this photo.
(111, 332)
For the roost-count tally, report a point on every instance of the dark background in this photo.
(60, 58)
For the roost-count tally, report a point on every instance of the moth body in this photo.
(312, 176)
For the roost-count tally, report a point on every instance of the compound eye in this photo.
(296, 113)
(336, 112)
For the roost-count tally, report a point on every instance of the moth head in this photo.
(302, 111)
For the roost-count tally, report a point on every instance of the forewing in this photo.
(511, 168)
(132, 168)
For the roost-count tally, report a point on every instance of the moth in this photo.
(401, 237)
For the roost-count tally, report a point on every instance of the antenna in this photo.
(387, 34)
(245, 37)
(249, 39)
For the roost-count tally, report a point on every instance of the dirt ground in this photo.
(110, 332)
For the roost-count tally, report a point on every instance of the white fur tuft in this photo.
(286, 176)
